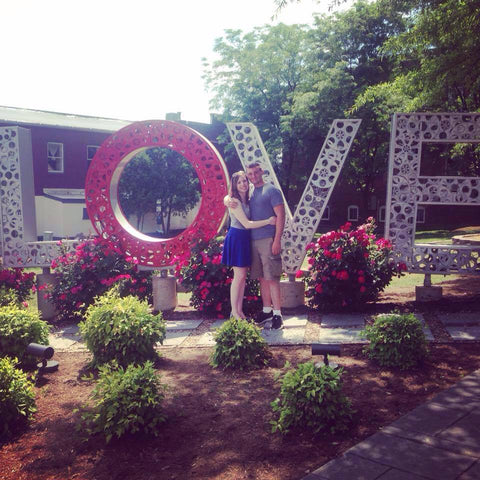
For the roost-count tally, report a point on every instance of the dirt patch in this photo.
(218, 423)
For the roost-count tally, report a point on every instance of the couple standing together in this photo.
(253, 240)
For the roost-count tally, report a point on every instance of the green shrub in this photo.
(91, 270)
(17, 397)
(121, 329)
(125, 401)
(201, 272)
(396, 340)
(240, 346)
(18, 328)
(311, 397)
(17, 284)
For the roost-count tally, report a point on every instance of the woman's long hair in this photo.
(234, 193)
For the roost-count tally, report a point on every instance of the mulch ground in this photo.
(218, 422)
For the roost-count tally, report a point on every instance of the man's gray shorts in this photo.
(264, 264)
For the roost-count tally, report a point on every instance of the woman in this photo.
(236, 248)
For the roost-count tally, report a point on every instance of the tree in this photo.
(158, 179)
(438, 56)
(255, 79)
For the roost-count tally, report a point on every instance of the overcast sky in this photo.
(132, 60)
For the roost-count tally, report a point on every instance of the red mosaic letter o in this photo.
(101, 189)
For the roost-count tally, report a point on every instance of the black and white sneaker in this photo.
(277, 322)
(261, 318)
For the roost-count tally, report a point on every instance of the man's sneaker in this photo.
(261, 318)
(277, 322)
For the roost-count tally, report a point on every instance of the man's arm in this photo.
(279, 226)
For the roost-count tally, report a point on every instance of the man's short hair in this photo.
(253, 165)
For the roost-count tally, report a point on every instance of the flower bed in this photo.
(209, 281)
(348, 267)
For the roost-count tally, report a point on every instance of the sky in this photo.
(131, 60)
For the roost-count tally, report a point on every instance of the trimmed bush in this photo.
(91, 270)
(125, 401)
(121, 329)
(396, 340)
(17, 397)
(312, 397)
(201, 272)
(239, 346)
(16, 285)
(18, 328)
(348, 268)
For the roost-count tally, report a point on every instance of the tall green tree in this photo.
(158, 179)
(255, 78)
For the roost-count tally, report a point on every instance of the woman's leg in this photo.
(236, 290)
(241, 294)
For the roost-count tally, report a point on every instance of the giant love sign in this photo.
(406, 189)
(103, 176)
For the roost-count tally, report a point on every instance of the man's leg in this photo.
(275, 294)
(265, 292)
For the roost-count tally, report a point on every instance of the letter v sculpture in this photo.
(300, 227)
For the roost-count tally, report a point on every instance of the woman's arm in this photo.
(239, 214)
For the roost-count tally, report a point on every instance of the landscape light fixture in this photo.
(326, 349)
(44, 352)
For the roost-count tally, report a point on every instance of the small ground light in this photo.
(326, 349)
(45, 353)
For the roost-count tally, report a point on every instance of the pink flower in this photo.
(361, 279)
(362, 288)
(319, 288)
(299, 274)
(343, 275)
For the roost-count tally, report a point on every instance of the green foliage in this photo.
(90, 271)
(158, 177)
(209, 281)
(17, 397)
(124, 401)
(349, 267)
(239, 346)
(15, 285)
(396, 340)
(121, 329)
(312, 397)
(18, 328)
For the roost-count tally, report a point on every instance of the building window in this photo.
(420, 214)
(85, 214)
(381, 214)
(352, 213)
(326, 214)
(55, 157)
(91, 151)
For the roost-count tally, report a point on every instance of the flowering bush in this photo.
(209, 281)
(90, 271)
(15, 285)
(348, 268)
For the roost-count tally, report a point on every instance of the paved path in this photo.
(438, 440)
(300, 329)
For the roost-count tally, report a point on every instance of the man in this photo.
(266, 201)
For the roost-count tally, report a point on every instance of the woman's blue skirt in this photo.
(236, 248)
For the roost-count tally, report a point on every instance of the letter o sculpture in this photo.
(101, 189)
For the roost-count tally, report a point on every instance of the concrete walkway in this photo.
(298, 329)
(438, 440)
